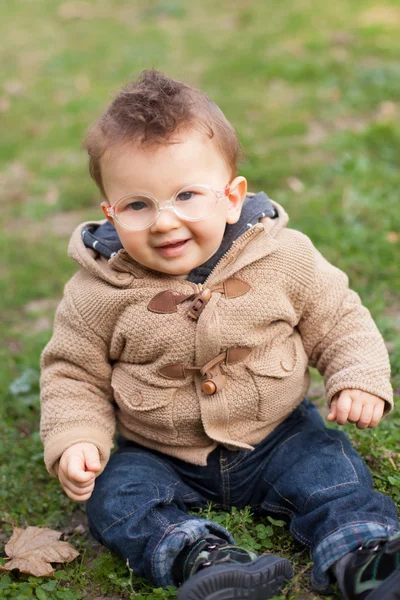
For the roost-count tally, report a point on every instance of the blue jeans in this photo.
(303, 471)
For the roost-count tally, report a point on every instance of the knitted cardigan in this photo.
(126, 352)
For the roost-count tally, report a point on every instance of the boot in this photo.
(372, 572)
(213, 569)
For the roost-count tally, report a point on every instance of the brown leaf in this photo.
(4, 104)
(381, 15)
(295, 185)
(31, 551)
(392, 237)
(14, 87)
(387, 111)
(52, 195)
(81, 10)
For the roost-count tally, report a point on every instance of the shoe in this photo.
(216, 570)
(372, 572)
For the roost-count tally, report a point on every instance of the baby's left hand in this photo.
(355, 406)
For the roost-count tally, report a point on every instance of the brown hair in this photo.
(150, 110)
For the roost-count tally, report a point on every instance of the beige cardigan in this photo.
(125, 355)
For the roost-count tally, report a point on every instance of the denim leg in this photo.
(314, 477)
(138, 509)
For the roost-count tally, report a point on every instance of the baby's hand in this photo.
(77, 469)
(355, 406)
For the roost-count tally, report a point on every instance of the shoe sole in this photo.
(388, 590)
(260, 579)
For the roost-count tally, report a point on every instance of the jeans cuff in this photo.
(174, 540)
(340, 542)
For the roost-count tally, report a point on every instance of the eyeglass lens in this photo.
(192, 203)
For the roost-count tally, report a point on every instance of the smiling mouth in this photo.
(173, 249)
(172, 244)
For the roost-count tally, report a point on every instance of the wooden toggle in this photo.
(214, 379)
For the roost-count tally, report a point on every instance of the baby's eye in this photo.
(186, 196)
(138, 205)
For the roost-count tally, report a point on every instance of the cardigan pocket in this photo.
(145, 409)
(277, 359)
(276, 378)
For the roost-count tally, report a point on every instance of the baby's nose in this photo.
(166, 220)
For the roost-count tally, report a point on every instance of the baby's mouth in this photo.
(172, 243)
(173, 248)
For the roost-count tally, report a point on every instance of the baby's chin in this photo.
(183, 276)
(180, 276)
(171, 274)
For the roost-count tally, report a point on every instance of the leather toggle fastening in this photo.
(232, 288)
(198, 304)
(214, 379)
(166, 302)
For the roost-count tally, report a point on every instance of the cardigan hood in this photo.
(95, 245)
(104, 238)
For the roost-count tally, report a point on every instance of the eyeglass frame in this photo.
(169, 204)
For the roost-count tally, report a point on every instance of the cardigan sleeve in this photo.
(341, 338)
(76, 394)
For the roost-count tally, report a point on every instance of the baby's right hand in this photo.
(77, 469)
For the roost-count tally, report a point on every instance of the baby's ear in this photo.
(237, 194)
(104, 205)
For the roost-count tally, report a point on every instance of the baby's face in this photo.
(160, 172)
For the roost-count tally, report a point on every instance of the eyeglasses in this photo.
(190, 203)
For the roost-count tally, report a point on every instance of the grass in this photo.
(313, 90)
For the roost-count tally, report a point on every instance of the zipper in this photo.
(199, 287)
(244, 237)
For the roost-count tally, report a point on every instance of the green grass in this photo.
(314, 92)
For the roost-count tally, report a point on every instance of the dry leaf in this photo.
(392, 237)
(387, 111)
(52, 195)
(31, 551)
(14, 87)
(381, 15)
(342, 38)
(295, 184)
(81, 10)
(4, 104)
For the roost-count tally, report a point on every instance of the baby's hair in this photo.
(150, 110)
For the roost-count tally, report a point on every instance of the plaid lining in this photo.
(175, 539)
(342, 541)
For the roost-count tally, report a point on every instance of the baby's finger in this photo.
(67, 482)
(377, 415)
(76, 490)
(76, 493)
(366, 416)
(80, 485)
(77, 497)
(332, 411)
(92, 459)
(343, 408)
(355, 412)
(76, 470)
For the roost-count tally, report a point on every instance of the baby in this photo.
(189, 329)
